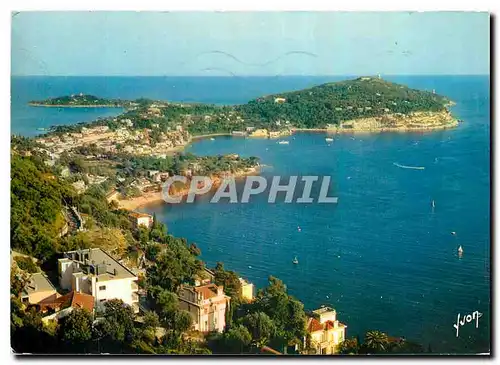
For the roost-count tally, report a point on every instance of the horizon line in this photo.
(248, 76)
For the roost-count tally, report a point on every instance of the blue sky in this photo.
(246, 44)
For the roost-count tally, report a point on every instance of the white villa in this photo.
(95, 272)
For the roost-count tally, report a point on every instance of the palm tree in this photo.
(349, 346)
(376, 341)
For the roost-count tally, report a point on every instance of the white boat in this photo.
(328, 139)
(460, 250)
(212, 139)
(433, 204)
(283, 142)
(295, 260)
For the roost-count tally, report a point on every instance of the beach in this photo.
(157, 197)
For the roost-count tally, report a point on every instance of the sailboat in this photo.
(295, 260)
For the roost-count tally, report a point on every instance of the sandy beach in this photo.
(134, 203)
(157, 197)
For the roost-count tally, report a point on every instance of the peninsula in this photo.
(72, 190)
(134, 151)
(361, 104)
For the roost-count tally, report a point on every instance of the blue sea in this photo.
(382, 257)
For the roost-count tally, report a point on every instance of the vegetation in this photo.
(79, 100)
(40, 201)
(333, 102)
(377, 342)
(26, 263)
(315, 107)
(37, 198)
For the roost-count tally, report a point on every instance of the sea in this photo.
(383, 256)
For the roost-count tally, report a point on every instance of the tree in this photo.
(376, 341)
(260, 326)
(166, 305)
(237, 339)
(286, 312)
(18, 281)
(118, 321)
(76, 328)
(151, 319)
(183, 321)
(349, 346)
(26, 264)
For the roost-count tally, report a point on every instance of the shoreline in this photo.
(76, 106)
(372, 130)
(157, 196)
(204, 136)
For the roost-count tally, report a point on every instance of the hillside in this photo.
(323, 106)
(334, 102)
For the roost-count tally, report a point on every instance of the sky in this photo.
(249, 44)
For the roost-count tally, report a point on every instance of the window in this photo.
(102, 287)
(206, 325)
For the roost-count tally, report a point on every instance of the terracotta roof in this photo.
(207, 291)
(72, 299)
(140, 215)
(329, 325)
(314, 325)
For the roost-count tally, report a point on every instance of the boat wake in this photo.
(409, 167)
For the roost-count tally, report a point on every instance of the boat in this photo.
(212, 139)
(283, 142)
(328, 139)
(453, 233)
(460, 250)
(433, 204)
(41, 129)
(295, 260)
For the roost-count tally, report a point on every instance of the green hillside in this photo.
(333, 102)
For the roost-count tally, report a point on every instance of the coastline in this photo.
(203, 136)
(403, 129)
(157, 196)
(76, 106)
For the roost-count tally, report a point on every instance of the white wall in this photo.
(115, 289)
(65, 274)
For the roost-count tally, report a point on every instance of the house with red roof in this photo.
(207, 305)
(324, 331)
(56, 306)
(140, 219)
